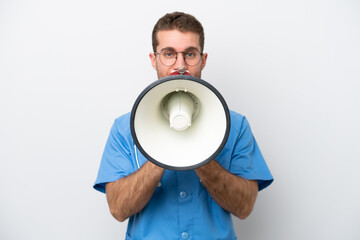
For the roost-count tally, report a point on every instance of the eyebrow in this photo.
(187, 49)
(192, 48)
(167, 48)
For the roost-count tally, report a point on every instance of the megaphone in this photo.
(180, 122)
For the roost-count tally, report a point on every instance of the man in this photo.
(196, 204)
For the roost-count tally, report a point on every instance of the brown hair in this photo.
(181, 21)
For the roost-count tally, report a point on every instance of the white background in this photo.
(69, 68)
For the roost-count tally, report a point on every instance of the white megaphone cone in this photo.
(180, 122)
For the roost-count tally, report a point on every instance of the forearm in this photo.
(233, 193)
(130, 194)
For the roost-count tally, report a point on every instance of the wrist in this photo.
(210, 171)
(154, 168)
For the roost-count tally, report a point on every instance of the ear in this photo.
(153, 59)
(203, 60)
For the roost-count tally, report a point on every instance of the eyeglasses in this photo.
(168, 57)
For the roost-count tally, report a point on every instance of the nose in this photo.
(180, 61)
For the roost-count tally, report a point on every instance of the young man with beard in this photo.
(194, 204)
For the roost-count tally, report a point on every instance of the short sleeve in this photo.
(116, 161)
(246, 158)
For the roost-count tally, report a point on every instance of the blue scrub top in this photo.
(180, 207)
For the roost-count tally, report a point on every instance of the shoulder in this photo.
(122, 124)
(238, 121)
(236, 116)
(123, 119)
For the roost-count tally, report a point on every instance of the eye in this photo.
(169, 54)
(190, 54)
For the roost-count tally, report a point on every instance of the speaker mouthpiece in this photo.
(181, 109)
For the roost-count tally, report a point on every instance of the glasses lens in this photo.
(168, 57)
(192, 57)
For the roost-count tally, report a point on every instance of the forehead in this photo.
(177, 40)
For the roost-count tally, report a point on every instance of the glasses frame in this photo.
(183, 53)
